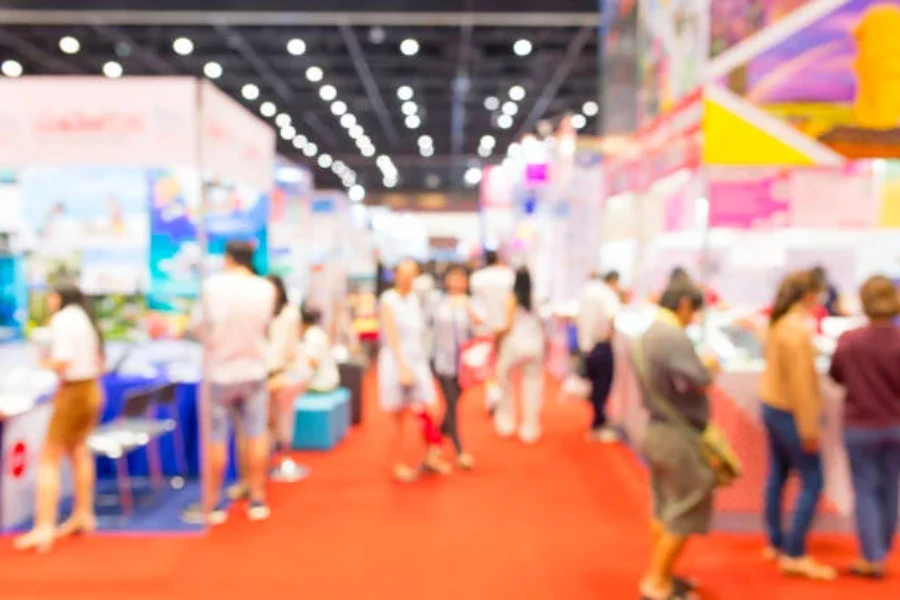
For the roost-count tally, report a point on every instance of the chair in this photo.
(130, 431)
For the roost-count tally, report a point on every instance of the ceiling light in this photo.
(590, 108)
(325, 160)
(390, 183)
(338, 108)
(327, 93)
(426, 151)
(339, 167)
(377, 34)
(404, 92)
(300, 142)
(409, 47)
(484, 151)
(310, 150)
(383, 161)
(69, 45)
(11, 68)
(363, 140)
(409, 108)
(517, 93)
(212, 69)
(522, 47)
(296, 47)
(488, 141)
(472, 176)
(579, 121)
(425, 140)
(250, 92)
(510, 108)
(514, 150)
(357, 193)
(491, 103)
(432, 181)
(349, 179)
(413, 122)
(183, 46)
(283, 120)
(314, 74)
(288, 133)
(348, 121)
(504, 121)
(368, 151)
(268, 110)
(112, 69)
(356, 131)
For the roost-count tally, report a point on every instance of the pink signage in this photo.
(749, 202)
(831, 198)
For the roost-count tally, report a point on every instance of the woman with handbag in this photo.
(453, 320)
(792, 414)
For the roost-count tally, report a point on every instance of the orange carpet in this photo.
(560, 520)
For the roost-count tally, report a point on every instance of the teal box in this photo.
(321, 419)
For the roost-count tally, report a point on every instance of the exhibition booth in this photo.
(130, 188)
(757, 171)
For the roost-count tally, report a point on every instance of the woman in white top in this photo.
(521, 349)
(323, 374)
(76, 355)
(284, 335)
(405, 382)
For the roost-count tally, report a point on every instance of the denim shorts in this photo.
(246, 403)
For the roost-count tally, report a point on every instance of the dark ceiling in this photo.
(456, 68)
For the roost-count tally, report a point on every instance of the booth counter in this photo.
(736, 409)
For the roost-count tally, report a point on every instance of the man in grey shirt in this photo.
(683, 484)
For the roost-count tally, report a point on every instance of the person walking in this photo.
(595, 326)
(453, 321)
(674, 378)
(792, 415)
(521, 349)
(76, 355)
(491, 287)
(405, 383)
(867, 363)
(233, 324)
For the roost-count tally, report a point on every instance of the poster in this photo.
(733, 21)
(748, 198)
(835, 80)
(290, 198)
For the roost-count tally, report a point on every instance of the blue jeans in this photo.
(875, 468)
(786, 455)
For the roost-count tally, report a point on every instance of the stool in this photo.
(321, 419)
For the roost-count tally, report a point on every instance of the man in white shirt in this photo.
(237, 306)
(491, 287)
(595, 322)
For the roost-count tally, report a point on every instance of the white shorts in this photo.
(392, 396)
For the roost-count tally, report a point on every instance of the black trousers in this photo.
(599, 368)
(452, 391)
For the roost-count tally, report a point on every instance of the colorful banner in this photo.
(733, 21)
(290, 199)
(748, 199)
(887, 173)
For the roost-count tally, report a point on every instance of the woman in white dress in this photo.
(405, 383)
(521, 350)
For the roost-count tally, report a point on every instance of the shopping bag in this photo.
(475, 358)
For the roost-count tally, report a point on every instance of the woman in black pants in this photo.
(452, 319)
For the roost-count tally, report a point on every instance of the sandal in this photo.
(807, 567)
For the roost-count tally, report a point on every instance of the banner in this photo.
(290, 199)
(748, 198)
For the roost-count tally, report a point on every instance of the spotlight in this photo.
(522, 47)
(413, 122)
(404, 92)
(348, 121)
(356, 131)
(472, 176)
(283, 120)
(425, 140)
(212, 69)
(590, 108)
(300, 142)
(296, 47)
(357, 193)
(579, 121)
(517, 93)
(183, 46)
(112, 69)
(327, 93)
(368, 151)
(504, 121)
(390, 183)
(12, 68)
(510, 108)
(325, 160)
(426, 151)
(314, 74)
(491, 103)
(409, 47)
(69, 45)
(310, 150)
(488, 141)
(484, 151)
(267, 109)
(338, 108)
(250, 92)
(288, 133)
(409, 108)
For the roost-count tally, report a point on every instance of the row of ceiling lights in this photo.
(505, 112)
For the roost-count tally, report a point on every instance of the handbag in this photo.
(475, 359)
(712, 444)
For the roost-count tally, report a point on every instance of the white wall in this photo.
(466, 226)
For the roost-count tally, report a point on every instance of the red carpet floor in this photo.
(560, 520)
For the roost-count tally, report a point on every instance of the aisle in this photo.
(559, 520)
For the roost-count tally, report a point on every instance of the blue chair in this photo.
(321, 419)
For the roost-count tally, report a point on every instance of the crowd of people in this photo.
(262, 351)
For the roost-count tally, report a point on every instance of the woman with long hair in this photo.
(76, 355)
(521, 350)
(867, 363)
(405, 382)
(792, 414)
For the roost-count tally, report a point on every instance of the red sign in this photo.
(18, 460)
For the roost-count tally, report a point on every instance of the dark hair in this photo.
(522, 288)
(71, 295)
(792, 289)
(241, 253)
(880, 299)
(678, 274)
(491, 257)
(611, 276)
(677, 292)
(281, 298)
(310, 316)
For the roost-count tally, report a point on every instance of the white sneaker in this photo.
(258, 511)
(604, 435)
(504, 425)
(492, 397)
(529, 435)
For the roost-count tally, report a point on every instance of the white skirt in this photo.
(392, 396)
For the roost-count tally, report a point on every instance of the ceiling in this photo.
(461, 61)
